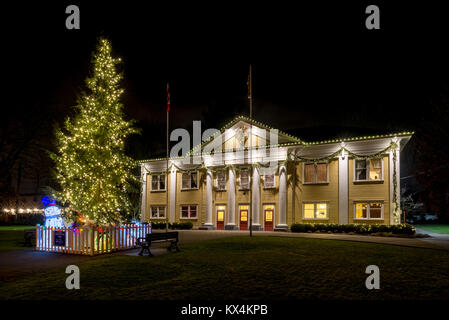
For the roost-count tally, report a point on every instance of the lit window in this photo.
(268, 181)
(315, 173)
(368, 210)
(375, 172)
(244, 209)
(321, 211)
(269, 215)
(309, 211)
(157, 212)
(157, 182)
(361, 210)
(268, 211)
(316, 210)
(189, 180)
(368, 170)
(244, 179)
(189, 212)
(221, 180)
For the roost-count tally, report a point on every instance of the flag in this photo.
(248, 83)
(249, 88)
(168, 98)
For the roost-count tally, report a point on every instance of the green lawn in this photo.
(437, 228)
(11, 240)
(12, 237)
(266, 268)
(16, 228)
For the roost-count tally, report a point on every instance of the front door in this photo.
(268, 220)
(243, 219)
(220, 219)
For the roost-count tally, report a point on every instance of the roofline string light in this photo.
(288, 144)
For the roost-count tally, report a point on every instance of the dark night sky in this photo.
(314, 65)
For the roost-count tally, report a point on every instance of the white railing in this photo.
(90, 241)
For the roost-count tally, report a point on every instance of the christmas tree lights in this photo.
(91, 167)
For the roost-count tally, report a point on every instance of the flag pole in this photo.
(166, 174)
(250, 151)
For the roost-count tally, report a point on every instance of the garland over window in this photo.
(293, 157)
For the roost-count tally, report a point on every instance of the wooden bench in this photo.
(29, 237)
(146, 242)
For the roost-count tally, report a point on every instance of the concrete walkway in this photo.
(19, 263)
(438, 239)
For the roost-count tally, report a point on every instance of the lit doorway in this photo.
(244, 211)
(268, 213)
(221, 210)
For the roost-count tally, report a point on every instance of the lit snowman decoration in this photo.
(52, 214)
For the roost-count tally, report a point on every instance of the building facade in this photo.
(250, 169)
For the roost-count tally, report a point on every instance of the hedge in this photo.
(174, 225)
(355, 227)
(26, 219)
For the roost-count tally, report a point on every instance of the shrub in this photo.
(25, 219)
(174, 225)
(182, 225)
(158, 225)
(359, 228)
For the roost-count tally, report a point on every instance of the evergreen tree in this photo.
(94, 174)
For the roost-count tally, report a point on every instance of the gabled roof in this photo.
(242, 121)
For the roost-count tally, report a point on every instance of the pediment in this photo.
(244, 133)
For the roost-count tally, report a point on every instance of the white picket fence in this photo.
(90, 241)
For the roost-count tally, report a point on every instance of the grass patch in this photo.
(265, 268)
(436, 228)
(16, 228)
(11, 240)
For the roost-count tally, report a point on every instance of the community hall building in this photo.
(277, 178)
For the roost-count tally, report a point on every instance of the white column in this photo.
(398, 180)
(282, 199)
(343, 177)
(208, 222)
(144, 193)
(391, 173)
(390, 176)
(172, 195)
(231, 200)
(255, 197)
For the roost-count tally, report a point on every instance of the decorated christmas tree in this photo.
(94, 174)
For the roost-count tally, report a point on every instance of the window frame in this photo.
(159, 182)
(249, 179)
(315, 173)
(190, 180)
(382, 217)
(240, 208)
(368, 179)
(217, 187)
(315, 203)
(274, 181)
(265, 207)
(189, 206)
(158, 212)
